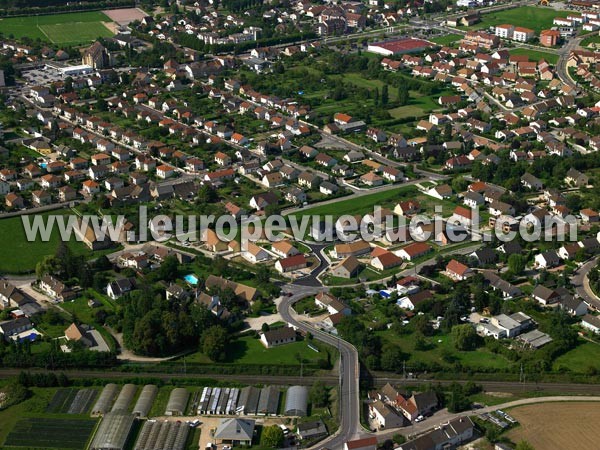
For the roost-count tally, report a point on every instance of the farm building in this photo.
(248, 401)
(145, 400)
(269, 401)
(177, 402)
(154, 435)
(113, 431)
(106, 399)
(296, 401)
(125, 397)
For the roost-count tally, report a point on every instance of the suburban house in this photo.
(457, 270)
(544, 295)
(414, 250)
(547, 259)
(278, 336)
(331, 304)
(120, 287)
(356, 248)
(254, 253)
(284, 249)
(591, 323)
(291, 263)
(349, 267)
(55, 289)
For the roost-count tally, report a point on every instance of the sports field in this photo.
(71, 29)
(535, 17)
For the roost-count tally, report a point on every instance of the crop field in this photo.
(570, 427)
(51, 433)
(71, 401)
(533, 17)
(72, 29)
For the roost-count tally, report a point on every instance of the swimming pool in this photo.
(43, 165)
(192, 279)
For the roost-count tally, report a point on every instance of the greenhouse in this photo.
(145, 400)
(125, 397)
(177, 402)
(162, 435)
(113, 431)
(296, 401)
(106, 399)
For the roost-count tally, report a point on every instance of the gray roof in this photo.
(248, 400)
(235, 430)
(106, 399)
(113, 431)
(10, 326)
(177, 401)
(145, 400)
(296, 401)
(269, 400)
(125, 397)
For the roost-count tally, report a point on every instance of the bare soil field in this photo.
(557, 426)
(126, 15)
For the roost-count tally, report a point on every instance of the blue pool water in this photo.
(43, 165)
(192, 279)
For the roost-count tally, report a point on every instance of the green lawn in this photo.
(363, 205)
(535, 55)
(447, 39)
(584, 357)
(75, 33)
(533, 17)
(74, 28)
(386, 199)
(248, 350)
(592, 39)
(21, 256)
(441, 344)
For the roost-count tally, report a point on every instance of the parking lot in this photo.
(46, 75)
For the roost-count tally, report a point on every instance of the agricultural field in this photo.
(533, 17)
(571, 426)
(535, 55)
(69, 29)
(50, 433)
(71, 401)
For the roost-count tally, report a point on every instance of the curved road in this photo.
(582, 286)
(349, 400)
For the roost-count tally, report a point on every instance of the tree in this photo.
(384, 95)
(465, 337)
(516, 264)
(403, 95)
(318, 394)
(272, 436)
(459, 184)
(265, 327)
(214, 342)
(524, 445)
(391, 359)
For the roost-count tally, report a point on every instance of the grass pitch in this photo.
(71, 29)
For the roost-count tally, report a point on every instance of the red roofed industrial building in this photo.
(399, 46)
